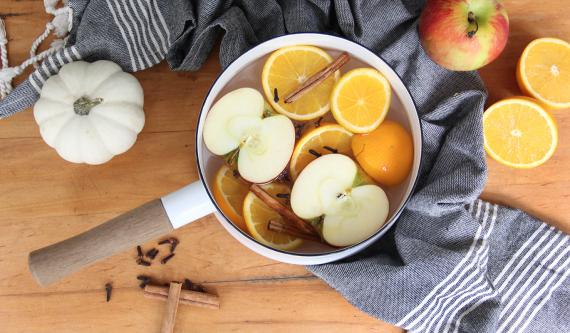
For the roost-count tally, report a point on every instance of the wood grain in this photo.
(45, 199)
(255, 306)
(126, 231)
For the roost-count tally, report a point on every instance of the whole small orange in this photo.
(386, 154)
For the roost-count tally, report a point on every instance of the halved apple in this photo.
(263, 145)
(331, 186)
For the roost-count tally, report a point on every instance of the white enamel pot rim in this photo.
(329, 42)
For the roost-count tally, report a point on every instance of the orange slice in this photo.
(361, 99)
(519, 133)
(289, 67)
(543, 72)
(257, 215)
(322, 140)
(229, 192)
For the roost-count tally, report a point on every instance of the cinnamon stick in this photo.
(317, 78)
(283, 211)
(187, 297)
(171, 307)
(277, 226)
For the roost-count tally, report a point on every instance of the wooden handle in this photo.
(137, 226)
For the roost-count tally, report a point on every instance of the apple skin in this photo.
(444, 32)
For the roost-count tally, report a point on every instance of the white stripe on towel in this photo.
(149, 27)
(514, 259)
(453, 308)
(162, 21)
(539, 306)
(148, 13)
(44, 71)
(130, 34)
(483, 297)
(38, 77)
(59, 58)
(444, 286)
(75, 52)
(67, 55)
(123, 34)
(550, 272)
(52, 63)
(34, 84)
(515, 286)
(131, 23)
(464, 290)
(523, 249)
(143, 25)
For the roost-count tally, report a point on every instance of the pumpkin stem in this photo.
(83, 105)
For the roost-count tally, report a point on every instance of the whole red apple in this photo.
(463, 35)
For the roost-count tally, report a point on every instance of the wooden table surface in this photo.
(45, 199)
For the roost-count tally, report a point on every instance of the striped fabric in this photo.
(531, 276)
(52, 65)
(521, 288)
(467, 281)
(143, 29)
(452, 263)
(144, 33)
(133, 33)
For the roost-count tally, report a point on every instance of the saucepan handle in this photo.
(142, 224)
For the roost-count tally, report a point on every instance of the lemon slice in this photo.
(326, 139)
(543, 72)
(257, 215)
(229, 192)
(289, 67)
(361, 99)
(519, 133)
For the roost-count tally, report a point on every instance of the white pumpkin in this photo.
(90, 112)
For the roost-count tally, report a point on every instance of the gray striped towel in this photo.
(452, 263)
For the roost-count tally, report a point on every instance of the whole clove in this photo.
(144, 280)
(198, 288)
(299, 130)
(318, 122)
(187, 284)
(283, 195)
(108, 289)
(275, 95)
(167, 258)
(139, 251)
(331, 149)
(142, 262)
(152, 253)
(314, 152)
(172, 241)
(173, 244)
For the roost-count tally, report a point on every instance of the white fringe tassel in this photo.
(60, 26)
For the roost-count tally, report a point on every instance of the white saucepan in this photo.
(194, 201)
